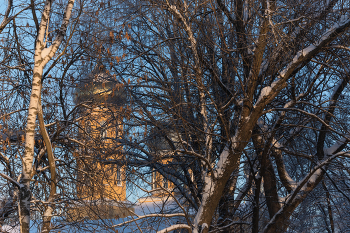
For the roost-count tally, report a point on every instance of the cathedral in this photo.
(100, 183)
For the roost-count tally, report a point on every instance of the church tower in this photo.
(99, 182)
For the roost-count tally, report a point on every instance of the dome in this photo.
(100, 87)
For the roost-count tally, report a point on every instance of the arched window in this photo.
(88, 127)
(103, 129)
(154, 180)
(119, 176)
(165, 183)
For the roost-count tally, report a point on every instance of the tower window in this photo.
(88, 127)
(119, 177)
(154, 180)
(165, 183)
(103, 130)
(117, 130)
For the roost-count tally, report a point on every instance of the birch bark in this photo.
(41, 57)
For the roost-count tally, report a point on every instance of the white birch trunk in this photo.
(41, 58)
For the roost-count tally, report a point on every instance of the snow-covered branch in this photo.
(176, 227)
(301, 57)
(305, 186)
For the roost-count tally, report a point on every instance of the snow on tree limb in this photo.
(176, 227)
(301, 57)
(305, 186)
(336, 146)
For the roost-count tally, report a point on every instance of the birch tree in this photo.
(42, 56)
(64, 51)
(16, 61)
(246, 102)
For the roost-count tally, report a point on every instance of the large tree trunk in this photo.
(41, 57)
